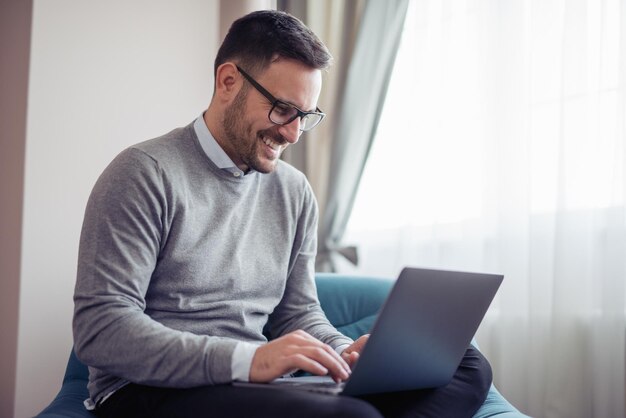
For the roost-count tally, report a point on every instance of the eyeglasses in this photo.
(283, 113)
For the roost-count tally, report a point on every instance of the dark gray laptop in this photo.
(419, 338)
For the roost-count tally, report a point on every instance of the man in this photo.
(195, 242)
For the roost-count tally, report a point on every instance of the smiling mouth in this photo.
(270, 143)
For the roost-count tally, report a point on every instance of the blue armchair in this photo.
(351, 304)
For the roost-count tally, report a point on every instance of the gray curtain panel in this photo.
(363, 36)
(336, 22)
(359, 113)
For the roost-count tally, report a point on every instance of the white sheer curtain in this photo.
(502, 147)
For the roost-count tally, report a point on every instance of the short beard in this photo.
(239, 134)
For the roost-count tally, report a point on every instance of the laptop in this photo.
(419, 337)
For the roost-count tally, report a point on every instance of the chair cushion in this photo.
(350, 303)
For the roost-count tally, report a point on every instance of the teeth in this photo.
(273, 145)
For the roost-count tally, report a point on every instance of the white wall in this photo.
(103, 75)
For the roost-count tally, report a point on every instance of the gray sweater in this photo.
(179, 261)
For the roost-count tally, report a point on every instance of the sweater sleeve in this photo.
(300, 307)
(120, 241)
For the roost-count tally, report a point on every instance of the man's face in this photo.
(255, 142)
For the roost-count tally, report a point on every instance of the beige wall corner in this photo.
(15, 24)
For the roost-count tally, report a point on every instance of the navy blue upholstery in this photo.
(69, 401)
(351, 304)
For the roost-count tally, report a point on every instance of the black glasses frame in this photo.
(274, 101)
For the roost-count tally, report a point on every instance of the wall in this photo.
(103, 75)
(15, 18)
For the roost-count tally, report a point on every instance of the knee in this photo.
(478, 373)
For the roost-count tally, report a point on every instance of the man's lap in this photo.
(229, 401)
(462, 397)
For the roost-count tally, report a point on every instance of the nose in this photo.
(291, 131)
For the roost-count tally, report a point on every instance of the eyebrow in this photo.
(297, 107)
(258, 85)
(288, 102)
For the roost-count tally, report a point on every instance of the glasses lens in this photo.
(310, 121)
(283, 113)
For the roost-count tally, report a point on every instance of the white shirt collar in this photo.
(213, 150)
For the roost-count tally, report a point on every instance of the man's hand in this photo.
(297, 351)
(352, 353)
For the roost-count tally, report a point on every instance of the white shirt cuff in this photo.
(242, 361)
(341, 348)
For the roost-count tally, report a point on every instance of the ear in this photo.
(228, 82)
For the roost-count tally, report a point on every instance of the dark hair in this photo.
(256, 40)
